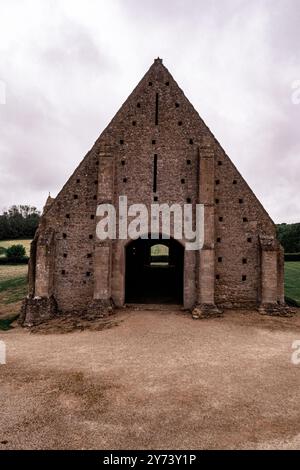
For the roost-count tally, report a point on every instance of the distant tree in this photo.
(4, 227)
(15, 252)
(289, 237)
(19, 222)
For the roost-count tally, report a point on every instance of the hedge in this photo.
(6, 261)
(292, 257)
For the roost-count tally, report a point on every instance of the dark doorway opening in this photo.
(154, 271)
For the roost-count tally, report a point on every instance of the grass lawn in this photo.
(13, 288)
(292, 280)
(7, 243)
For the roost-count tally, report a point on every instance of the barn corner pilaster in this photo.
(102, 304)
(40, 303)
(205, 306)
(272, 295)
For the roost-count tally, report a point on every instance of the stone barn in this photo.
(155, 149)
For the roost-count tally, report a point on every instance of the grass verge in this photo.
(292, 280)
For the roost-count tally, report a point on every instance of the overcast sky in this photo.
(67, 66)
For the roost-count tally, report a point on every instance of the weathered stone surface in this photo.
(206, 311)
(276, 310)
(34, 310)
(99, 308)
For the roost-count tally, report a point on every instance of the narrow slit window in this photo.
(155, 173)
(156, 109)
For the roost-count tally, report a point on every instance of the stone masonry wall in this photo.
(157, 119)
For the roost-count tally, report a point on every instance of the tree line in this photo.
(19, 222)
(289, 237)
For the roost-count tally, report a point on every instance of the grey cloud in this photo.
(74, 45)
(234, 59)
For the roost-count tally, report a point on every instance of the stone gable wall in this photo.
(175, 134)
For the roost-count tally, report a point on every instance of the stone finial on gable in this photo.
(158, 60)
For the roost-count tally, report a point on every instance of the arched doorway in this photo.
(154, 271)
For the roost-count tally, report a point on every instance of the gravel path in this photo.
(154, 380)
